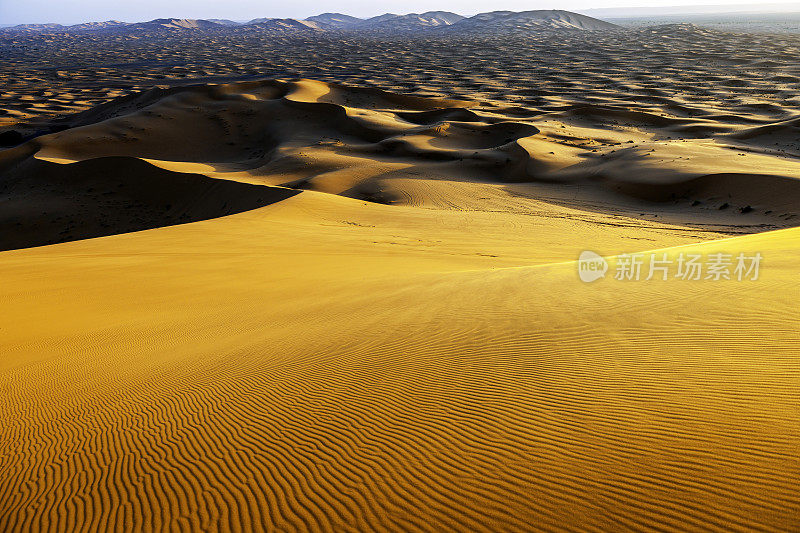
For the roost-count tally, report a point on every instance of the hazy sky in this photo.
(73, 11)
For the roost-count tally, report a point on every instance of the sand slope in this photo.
(207, 378)
(388, 332)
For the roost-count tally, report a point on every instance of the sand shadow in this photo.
(45, 203)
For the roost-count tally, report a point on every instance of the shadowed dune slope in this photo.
(108, 195)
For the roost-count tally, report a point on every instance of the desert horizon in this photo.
(79, 12)
(519, 270)
(762, 18)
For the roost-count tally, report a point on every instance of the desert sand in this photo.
(301, 305)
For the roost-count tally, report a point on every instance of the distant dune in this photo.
(336, 20)
(498, 21)
(272, 128)
(283, 26)
(97, 26)
(410, 22)
(504, 21)
(170, 24)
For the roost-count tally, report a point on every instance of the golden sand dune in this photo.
(383, 328)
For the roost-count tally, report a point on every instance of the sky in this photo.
(75, 11)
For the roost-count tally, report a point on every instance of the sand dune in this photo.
(209, 147)
(712, 81)
(510, 21)
(317, 306)
(107, 195)
(386, 375)
(496, 22)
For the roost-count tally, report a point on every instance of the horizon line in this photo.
(609, 12)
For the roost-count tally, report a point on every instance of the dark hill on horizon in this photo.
(502, 21)
(431, 22)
